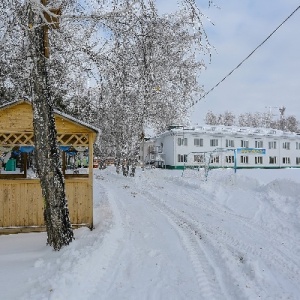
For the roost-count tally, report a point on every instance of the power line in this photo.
(205, 94)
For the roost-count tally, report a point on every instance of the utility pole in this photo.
(282, 121)
(53, 21)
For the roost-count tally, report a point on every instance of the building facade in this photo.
(226, 146)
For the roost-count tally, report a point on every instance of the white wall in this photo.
(171, 148)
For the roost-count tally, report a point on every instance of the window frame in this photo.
(271, 158)
(199, 158)
(272, 145)
(259, 144)
(215, 159)
(214, 142)
(244, 159)
(182, 141)
(229, 143)
(199, 142)
(244, 143)
(229, 159)
(286, 145)
(258, 160)
(182, 158)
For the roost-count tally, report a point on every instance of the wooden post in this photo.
(54, 23)
(91, 173)
(25, 164)
(46, 36)
(64, 162)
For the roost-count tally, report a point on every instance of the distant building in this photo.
(225, 146)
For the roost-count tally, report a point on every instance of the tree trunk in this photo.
(56, 213)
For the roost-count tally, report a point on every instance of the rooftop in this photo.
(230, 130)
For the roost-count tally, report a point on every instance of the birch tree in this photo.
(210, 118)
(56, 213)
(150, 71)
(256, 120)
(146, 66)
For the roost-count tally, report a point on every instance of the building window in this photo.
(244, 144)
(259, 144)
(198, 142)
(286, 160)
(297, 146)
(199, 158)
(215, 159)
(272, 160)
(182, 158)
(258, 159)
(160, 148)
(182, 141)
(229, 143)
(286, 145)
(272, 145)
(214, 142)
(297, 160)
(229, 159)
(244, 159)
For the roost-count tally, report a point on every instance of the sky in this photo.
(167, 235)
(270, 78)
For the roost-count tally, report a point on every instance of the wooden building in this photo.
(21, 202)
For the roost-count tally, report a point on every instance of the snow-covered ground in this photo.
(163, 236)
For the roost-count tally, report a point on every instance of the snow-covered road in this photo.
(163, 236)
(226, 253)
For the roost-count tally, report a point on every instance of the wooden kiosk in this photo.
(21, 202)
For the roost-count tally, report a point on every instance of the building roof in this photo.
(229, 130)
(57, 112)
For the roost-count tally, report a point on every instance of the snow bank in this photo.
(162, 235)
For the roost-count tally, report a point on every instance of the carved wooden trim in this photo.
(18, 139)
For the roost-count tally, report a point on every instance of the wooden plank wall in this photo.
(79, 202)
(21, 203)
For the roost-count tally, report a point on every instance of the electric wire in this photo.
(209, 91)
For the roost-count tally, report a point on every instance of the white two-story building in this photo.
(225, 146)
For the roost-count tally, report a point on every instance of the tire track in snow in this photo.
(235, 247)
(269, 235)
(219, 246)
(282, 255)
(215, 207)
(199, 258)
(209, 281)
(129, 261)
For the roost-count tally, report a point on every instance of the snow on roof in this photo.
(229, 130)
(12, 103)
(76, 120)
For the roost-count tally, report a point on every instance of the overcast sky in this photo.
(270, 78)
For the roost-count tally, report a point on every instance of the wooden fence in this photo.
(22, 206)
